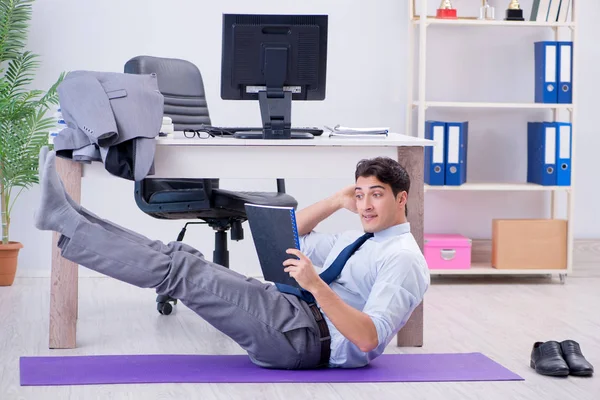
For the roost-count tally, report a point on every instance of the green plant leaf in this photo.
(15, 16)
(24, 125)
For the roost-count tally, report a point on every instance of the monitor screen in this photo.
(285, 51)
(274, 59)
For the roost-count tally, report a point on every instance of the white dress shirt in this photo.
(386, 278)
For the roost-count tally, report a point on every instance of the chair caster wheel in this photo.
(163, 304)
(164, 308)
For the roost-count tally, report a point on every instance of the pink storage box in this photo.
(447, 251)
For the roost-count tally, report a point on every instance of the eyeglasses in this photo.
(206, 132)
(190, 134)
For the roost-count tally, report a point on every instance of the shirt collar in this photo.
(395, 230)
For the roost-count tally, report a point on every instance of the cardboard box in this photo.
(529, 243)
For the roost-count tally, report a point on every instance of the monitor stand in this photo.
(275, 112)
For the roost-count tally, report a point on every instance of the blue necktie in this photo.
(331, 273)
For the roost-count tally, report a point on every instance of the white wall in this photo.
(367, 83)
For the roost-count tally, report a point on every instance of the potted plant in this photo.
(23, 124)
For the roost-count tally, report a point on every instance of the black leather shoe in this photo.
(577, 363)
(546, 359)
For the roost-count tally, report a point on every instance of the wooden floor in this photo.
(500, 317)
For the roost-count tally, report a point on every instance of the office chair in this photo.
(180, 82)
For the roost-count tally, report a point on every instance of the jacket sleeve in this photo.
(85, 100)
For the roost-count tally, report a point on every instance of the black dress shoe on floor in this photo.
(546, 359)
(577, 363)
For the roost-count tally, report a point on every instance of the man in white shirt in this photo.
(370, 284)
(382, 282)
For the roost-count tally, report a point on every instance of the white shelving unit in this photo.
(465, 104)
(476, 22)
(423, 23)
(514, 187)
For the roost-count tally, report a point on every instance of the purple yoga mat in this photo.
(88, 370)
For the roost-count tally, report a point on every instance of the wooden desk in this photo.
(322, 157)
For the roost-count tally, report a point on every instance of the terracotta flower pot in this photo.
(8, 262)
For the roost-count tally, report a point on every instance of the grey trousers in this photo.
(276, 329)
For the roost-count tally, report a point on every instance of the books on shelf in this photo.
(446, 161)
(553, 72)
(549, 153)
(344, 131)
(551, 10)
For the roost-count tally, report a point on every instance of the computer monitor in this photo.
(274, 59)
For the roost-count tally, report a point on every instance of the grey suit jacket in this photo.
(113, 118)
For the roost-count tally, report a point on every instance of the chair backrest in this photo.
(180, 82)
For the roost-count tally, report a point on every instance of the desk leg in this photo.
(63, 289)
(411, 158)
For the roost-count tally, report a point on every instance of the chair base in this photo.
(221, 253)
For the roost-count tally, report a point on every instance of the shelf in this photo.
(465, 104)
(477, 22)
(516, 187)
(421, 105)
(486, 269)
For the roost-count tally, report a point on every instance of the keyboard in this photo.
(232, 130)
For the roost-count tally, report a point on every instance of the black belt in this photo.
(325, 338)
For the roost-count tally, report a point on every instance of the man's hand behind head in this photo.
(347, 199)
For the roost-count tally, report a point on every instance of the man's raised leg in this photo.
(165, 248)
(168, 248)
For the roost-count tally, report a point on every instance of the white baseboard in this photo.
(586, 251)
